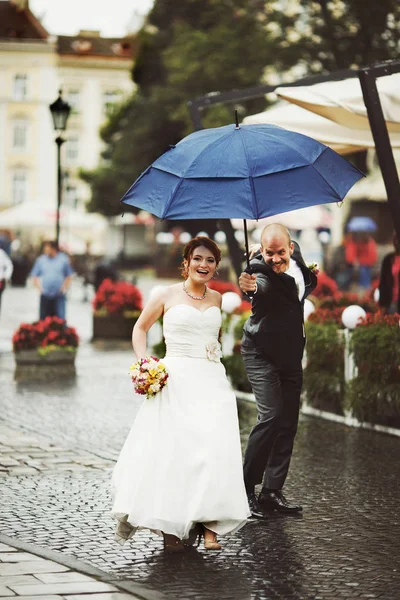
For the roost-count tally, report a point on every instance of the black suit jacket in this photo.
(386, 282)
(276, 325)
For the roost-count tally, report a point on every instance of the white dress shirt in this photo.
(295, 272)
(6, 266)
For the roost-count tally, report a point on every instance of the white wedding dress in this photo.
(181, 463)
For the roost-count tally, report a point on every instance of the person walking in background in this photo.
(272, 349)
(6, 270)
(361, 252)
(389, 281)
(51, 274)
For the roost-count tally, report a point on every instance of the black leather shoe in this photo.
(255, 509)
(275, 500)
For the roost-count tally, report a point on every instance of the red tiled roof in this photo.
(19, 24)
(81, 45)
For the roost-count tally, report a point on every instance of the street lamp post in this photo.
(60, 112)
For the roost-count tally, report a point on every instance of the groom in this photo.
(272, 349)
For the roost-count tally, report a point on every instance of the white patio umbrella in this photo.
(341, 139)
(372, 187)
(311, 217)
(343, 103)
(30, 216)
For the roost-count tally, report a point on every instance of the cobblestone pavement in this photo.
(346, 545)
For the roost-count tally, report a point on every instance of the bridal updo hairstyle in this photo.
(195, 243)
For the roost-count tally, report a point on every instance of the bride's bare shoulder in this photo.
(215, 297)
(172, 294)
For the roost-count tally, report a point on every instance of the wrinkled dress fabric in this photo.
(181, 463)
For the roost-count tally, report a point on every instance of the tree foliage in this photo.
(191, 48)
(187, 49)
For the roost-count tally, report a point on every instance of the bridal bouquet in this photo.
(149, 376)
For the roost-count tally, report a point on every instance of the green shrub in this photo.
(159, 349)
(324, 385)
(238, 329)
(235, 370)
(374, 395)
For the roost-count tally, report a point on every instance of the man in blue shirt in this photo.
(52, 276)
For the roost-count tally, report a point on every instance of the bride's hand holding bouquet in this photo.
(149, 376)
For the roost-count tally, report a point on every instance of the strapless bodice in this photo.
(192, 333)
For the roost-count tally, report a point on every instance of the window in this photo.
(20, 134)
(110, 99)
(73, 99)
(73, 149)
(71, 196)
(19, 187)
(20, 87)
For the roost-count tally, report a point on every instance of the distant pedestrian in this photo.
(105, 269)
(51, 274)
(361, 252)
(6, 269)
(389, 282)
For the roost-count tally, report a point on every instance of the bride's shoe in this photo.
(194, 534)
(173, 543)
(211, 544)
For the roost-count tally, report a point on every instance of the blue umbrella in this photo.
(361, 224)
(246, 172)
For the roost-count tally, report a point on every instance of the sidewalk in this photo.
(26, 575)
(31, 571)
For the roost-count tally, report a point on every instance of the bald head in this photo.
(276, 247)
(275, 230)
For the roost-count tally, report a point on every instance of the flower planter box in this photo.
(55, 365)
(56, 357)
(117, 327)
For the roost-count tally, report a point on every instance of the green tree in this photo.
(327, 35)
(187, 49)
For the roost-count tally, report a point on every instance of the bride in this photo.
(179, 473)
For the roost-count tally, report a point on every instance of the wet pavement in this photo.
(346, 544)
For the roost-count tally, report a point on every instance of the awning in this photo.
(341, 139)
(343, 103)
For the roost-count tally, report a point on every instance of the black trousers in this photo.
(270, 444)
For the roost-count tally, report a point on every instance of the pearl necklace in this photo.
(195, 297)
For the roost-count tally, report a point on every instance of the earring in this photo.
(215, 275)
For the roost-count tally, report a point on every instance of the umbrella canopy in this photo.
(343, 102)
(361, 224)
(342, 140)
(246, 172)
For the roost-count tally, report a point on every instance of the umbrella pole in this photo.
(246, 241)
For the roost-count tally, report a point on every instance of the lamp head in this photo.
(60, 112)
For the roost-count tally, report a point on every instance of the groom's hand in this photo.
(247, 282)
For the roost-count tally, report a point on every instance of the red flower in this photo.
(49, 331)
(224, 286)
(243, 308)
(326, 315)
(117, 296)
(379, 318)
(325, 286)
